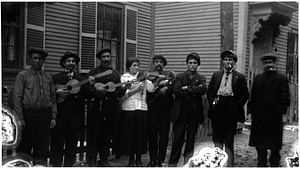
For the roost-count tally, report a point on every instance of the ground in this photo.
(245, 156)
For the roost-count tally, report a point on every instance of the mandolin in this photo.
(111, 86)
(74, 85)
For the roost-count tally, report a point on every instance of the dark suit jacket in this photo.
(71, 110)
(194, 92)
(240, 92)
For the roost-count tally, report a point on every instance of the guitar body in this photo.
(110, 86)
(69, 86)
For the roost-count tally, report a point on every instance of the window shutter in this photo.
(130, 32)
(290, 53)
(35, 27)
(87, 51)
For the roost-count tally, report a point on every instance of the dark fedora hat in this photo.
(43, 52)
(230, 54)
(271, 56)
(162, 58)
(103, 51)
(67, 55)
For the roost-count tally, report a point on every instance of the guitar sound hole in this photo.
(106, 87)
(69, 87)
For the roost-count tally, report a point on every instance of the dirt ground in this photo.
(245, 156)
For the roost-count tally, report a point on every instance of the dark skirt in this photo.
(131, 137)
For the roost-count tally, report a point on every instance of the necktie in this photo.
(226, 78)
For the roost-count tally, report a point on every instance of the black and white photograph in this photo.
(207, 84)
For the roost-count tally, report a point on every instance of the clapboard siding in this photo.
(143, 32)
(281, 41)
(185, 27)
(62, 32)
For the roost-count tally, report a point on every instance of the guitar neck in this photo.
(121, 84)
(96, 76)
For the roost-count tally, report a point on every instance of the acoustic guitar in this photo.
(73, 86)
(111, 86)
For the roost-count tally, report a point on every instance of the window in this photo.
(292, 54)
(11, 36)
(109, 21)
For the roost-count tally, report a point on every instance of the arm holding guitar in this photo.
(62, 92)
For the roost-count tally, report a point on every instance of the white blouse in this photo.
(137, 101)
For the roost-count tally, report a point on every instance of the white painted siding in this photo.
(62, 32)
(185, 27)
(235, 27)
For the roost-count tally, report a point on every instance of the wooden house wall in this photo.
(62, 32)
(185, 27)
(281, 41)
(143, 31)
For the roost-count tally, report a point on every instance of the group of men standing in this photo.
(42, 101)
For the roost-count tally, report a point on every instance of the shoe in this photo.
(130, 164)
(159, 163)
(151, 163)
(102, 163)
(138, 163)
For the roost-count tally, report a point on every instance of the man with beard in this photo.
(159, 108)
(104, 112)
(187, 110)
(70, 108)
(270, 98)
(227, 93)
(35, 105)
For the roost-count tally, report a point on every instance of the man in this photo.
(227, 93)
(187, 110)
(35, 105)
(159, 104)
(104, 113)
(270, 98)
(70, 115)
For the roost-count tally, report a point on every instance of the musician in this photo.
(35, 105)
(104, 113)
(227, 93)
(70, 113)
(132, 131)
(159, 104)
(187, 110)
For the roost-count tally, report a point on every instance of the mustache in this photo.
(158, 66)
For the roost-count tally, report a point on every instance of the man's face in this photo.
(158, 64)
(37, 60)
(228, 63)
(268, 63)
(192, 65)
(70, 63)
(105, 59)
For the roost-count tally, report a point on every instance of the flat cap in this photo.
(271, 56)
(230, 54)
(43, 52)
(103, 51)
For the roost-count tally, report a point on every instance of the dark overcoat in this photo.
(71, 110)
(270, 98)
(195, 91)
(240, 92)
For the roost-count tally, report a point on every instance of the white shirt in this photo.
(137, 101)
